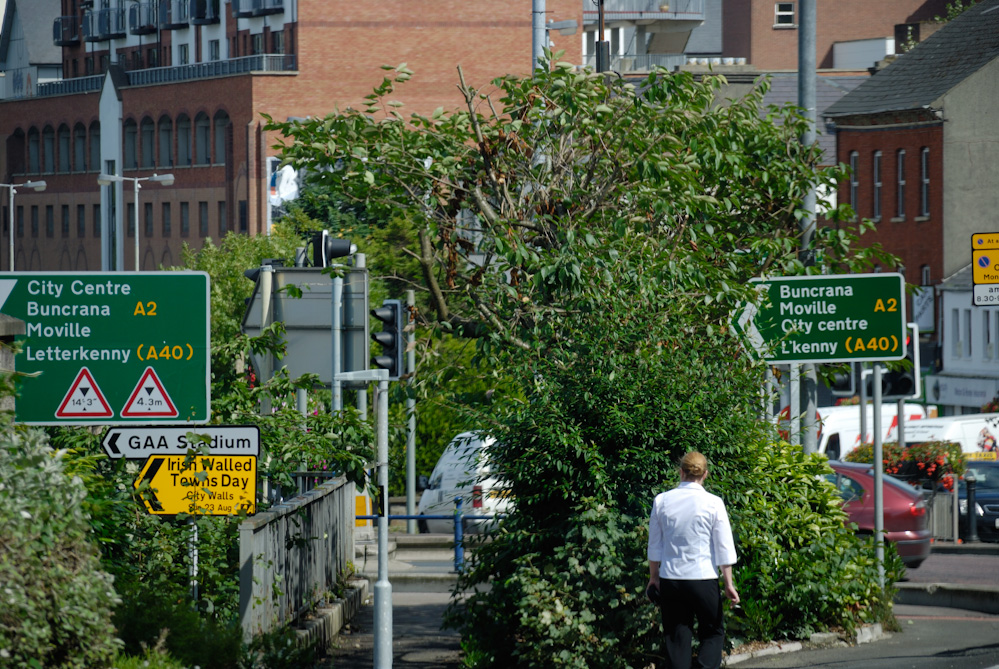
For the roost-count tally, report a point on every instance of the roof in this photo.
(828, 90)
(961, 280)
(917, 79)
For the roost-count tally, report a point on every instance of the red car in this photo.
(906, 522)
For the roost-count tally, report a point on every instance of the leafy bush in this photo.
(57, 601)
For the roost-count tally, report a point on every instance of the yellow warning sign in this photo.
(985, 241)
(207, 485)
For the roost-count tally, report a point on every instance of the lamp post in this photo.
(12, 189)
(107, 179)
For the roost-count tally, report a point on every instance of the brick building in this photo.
(178, 86)
(922, 139)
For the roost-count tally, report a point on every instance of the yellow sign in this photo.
(206, 485)
(981, 455)
(985, 241)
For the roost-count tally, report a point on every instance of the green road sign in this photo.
(110, 347)
(828, 318)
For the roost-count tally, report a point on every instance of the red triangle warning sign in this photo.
(149, 399)
(84, 399)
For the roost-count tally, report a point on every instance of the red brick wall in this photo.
(916, 239)
(836, 21)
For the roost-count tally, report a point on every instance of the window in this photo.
(183, 141)
(257, 44)
(988, 334)
(80, 148)
(166, 142)
(966, 334)
(49, 220)
(213, 50)
(955, 323)
(153, 57)
(130, 223)
(924, 272)
(65, 152)
(34, 152)
(48, 149)
(97, 221)
(148, 216)
(203, 218)
(185, 219)
(223, 227)
(784, 15)
(20, 221)
(877, 185)
(277, 41)
(615, 41)
(924, 182)
(854, 181)
(89, 65)
(81, 220)
(34, 220)
(202, 139)
(221, 123)
(166, 219)
(244, 216)
(65, 220)
(95, 146)
(131, 152)
(900, 199)
(183, 54)
(147, 135)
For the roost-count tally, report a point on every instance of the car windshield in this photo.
(986, 475)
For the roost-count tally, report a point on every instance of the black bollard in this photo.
(971, 482)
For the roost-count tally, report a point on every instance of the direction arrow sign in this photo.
(214, 485)
(826, 318)
(141, 442)
(91, 337)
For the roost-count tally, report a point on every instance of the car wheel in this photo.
(422, 525)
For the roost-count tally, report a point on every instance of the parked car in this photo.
(986, 499)
(464, 471)
(906, 523)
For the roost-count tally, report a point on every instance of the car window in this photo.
(848, 489)
(986, 476)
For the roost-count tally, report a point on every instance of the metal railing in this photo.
(100, 25)
(459, 519)
(293, 553)
(70, 86)
(650, 7)
(215, 68)
(639, 62)
(66, 31)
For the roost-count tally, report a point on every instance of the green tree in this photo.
(592, 236)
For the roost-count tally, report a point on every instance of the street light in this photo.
(12, 188)
(107, 179)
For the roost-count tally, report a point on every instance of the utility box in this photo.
(308, 320)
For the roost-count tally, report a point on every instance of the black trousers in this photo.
(682, 603)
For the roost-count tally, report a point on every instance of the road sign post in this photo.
(111, 347)
(826, 318)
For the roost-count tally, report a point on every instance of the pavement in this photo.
(952, 623)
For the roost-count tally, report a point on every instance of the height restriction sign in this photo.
(110, 347)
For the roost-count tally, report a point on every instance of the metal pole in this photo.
(383, 588)
(337, 307)
(806, 100)
(879, 504)
(193, 551)
(794, 406)
(301, 394)
(135, 222)
(411, 526)
(537, 33)
(863, 406)
(900, 417)
(10, 224)
(266, 361)
(361, 395)
(603, 48)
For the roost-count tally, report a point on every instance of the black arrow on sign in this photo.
(110, 444)
(150, 473)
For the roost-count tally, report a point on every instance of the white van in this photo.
(976, 433)
(463, 470)
(839, 427)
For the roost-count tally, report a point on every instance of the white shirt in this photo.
(689, 534)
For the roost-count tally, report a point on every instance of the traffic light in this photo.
(842, 383)
(902, 383)
(392, 338)
(326, 247)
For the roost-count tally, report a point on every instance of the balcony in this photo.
(173, 14)
(66, 31)
(246, 8)
(101, 25)
(142, 18)
(646, 11)
(632, 62)
(204, 12)
(212, 69)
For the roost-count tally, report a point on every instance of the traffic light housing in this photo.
(902, 383)
(843, 382)
(325, 247)
(392, 338)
